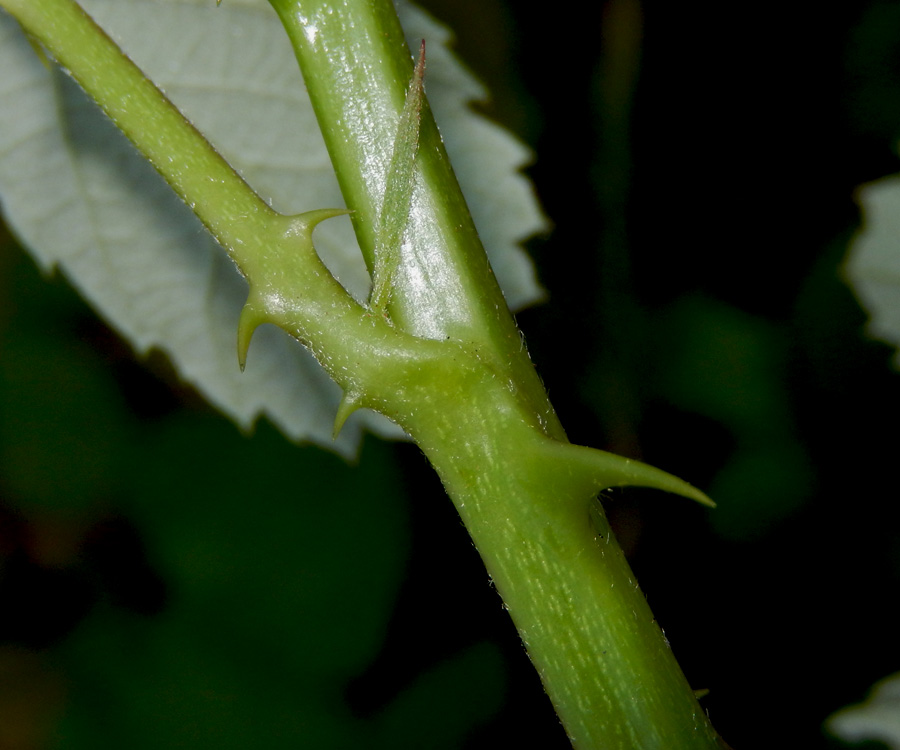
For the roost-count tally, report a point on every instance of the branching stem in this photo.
(450, 368)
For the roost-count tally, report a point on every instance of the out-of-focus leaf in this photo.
(277, 595)
(440, 707)
(729, 366)
(62, 421)
(873, 264)
(877, 718)
(80, 196)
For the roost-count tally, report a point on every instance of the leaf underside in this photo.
(81, 198)
(873, 263)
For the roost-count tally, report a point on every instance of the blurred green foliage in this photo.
(189, 585)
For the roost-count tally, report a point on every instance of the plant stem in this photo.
(524, 499)
(451, 369)
(357, 68)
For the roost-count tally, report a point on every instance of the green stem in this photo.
(357, 68)
(525, 500)
(451, 369)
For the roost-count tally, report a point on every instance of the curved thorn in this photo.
(350, 402)
(251, 318)
(601, 470)
(303, 224)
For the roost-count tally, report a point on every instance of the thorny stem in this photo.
(450, 370)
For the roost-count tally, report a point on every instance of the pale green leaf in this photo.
(873, 264)
(876, 719)
(81, 198)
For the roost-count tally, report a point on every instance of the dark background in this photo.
(164, 583)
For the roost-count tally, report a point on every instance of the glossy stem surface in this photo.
(357, 68)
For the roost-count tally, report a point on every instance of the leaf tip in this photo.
(419, 74)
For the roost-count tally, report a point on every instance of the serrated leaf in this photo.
(80, 197)
(873, 263)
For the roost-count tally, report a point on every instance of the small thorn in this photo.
(349, 404)
(251, 319)
(307, 221)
